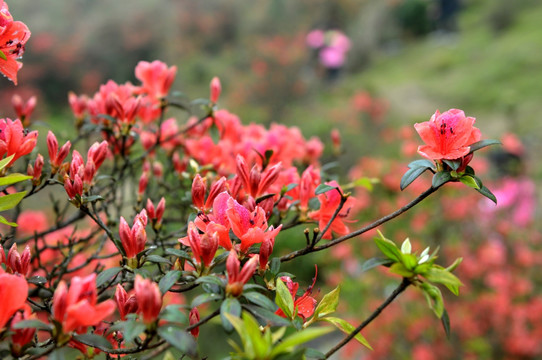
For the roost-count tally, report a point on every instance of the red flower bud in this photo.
(149, 299)
(198, 191)
(216, 188)
(193, 317)
(19, 263)
(265, 250)
(126, 304)
(216, 89)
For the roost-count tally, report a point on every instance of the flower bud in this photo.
(193, 317)
(19, 263)
(126, 304)
(216, 89)
(149, 299)
(198, 192)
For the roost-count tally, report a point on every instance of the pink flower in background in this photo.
(315, 39)
(156, 77)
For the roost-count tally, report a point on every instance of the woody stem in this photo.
(402, 286)
(364, 229)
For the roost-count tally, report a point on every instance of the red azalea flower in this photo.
(447, 135)
(149, 299)
(77, 308)
(13, 293)
(15, 140)
(13, 37)
(329, 202)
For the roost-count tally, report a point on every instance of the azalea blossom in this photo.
(237, 277)
(250, 227)
(149, 299)
(13, 37)
(77, 308)
(156, 78)
(329, 202)
(447, 136)
(15, 140)
(13, 293)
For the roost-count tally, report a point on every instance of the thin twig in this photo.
(404, 284)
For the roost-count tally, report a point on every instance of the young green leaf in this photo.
(434, 298)
(388, 248)
(328, 304)
(482, 144)
(299, 338)
(13, 178)
(322, 188)
(10, 201)
(347, 328)
(284, 299)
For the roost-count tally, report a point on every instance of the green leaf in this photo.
(266, 316)
(487, 193)
(91, 198)
(10, 201)
(255, 342)
(13, 178)
(93, 340)
(311, 353)
(169, 280)
(3, 220)
(409, 261)
(299, 338)
(204, 298)
(131, 330)
(406, 247)
(229, 306)
(322, 188)
(434, 298)
(157, 259)
(366, 182)
(422, 163)
(210, 279)
(5, 162)
(347, 328)
(260, 300)
(402, 270)
(454, 265)
(178, 253)
(453, 164)
(374, 262)
(106, 275)
(445, 319)
(471, 181)
(284, 299)
(2, 55)
(482, 144)
(179, 339)
(440, 179)
(444, 277)
(37, 280)
(274, 266)
(328, 304)
(411, 175)
(388, 248)
(34, 324)
(173, 314)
